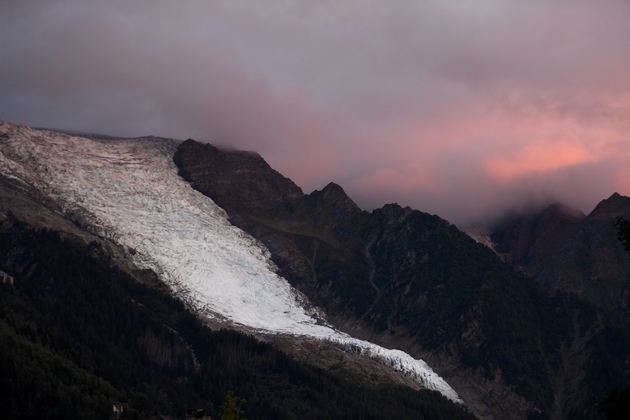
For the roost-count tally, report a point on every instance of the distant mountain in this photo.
(564, 250)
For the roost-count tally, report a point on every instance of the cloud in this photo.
(537, 159)
(458, 108)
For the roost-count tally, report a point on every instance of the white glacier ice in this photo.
(130, 192)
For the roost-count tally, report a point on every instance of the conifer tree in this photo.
(231, 407)
(623, 232)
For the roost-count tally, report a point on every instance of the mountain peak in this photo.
(394, 211)
(234, 178)
(335, 199)
(332, 187)
(558, 211)
(613, 206)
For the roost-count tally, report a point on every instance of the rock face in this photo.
(259, 200)
(246, 181)
(563, 250)
(405, 279)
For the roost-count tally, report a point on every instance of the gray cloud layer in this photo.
(460, 108)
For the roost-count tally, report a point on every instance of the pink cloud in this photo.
(536, 159)
(622, 178)
(405, 179)
(455, 109)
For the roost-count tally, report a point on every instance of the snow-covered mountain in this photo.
(130, 192)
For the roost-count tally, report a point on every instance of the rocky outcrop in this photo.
(239, 180)
(294, 226)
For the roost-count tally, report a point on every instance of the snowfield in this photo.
(130, 193)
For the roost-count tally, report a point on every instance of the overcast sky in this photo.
(460, 108)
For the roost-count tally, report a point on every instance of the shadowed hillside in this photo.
(77, 335)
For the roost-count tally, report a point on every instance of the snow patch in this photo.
(481, 236)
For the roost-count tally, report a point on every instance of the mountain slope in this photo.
(406, 279)
(78, 335)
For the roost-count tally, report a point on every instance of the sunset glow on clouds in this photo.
(535, 159)
(460, 108)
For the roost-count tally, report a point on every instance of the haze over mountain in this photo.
(461, 109)
(563, 249)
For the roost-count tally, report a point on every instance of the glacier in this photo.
(130, 192)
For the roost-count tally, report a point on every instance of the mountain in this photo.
(242, 246)
(127, 196)
(565, 250)
(406, 279)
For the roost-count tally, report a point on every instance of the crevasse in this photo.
(130, 192)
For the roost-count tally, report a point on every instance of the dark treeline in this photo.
(77, 335)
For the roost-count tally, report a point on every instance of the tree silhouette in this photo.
(615, 404)
(623, 232)
(231, 407)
